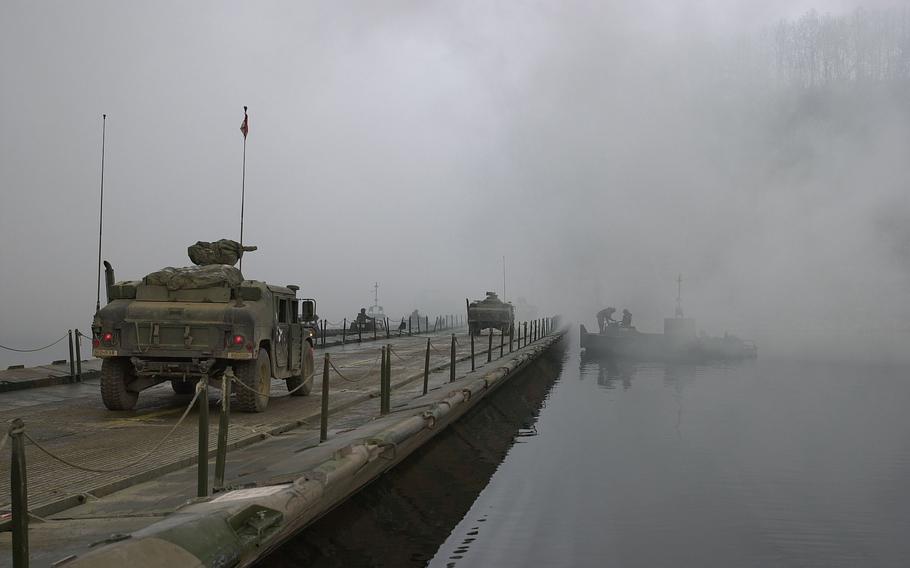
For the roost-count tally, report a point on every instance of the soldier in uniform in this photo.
(626, 318)
(604, 318)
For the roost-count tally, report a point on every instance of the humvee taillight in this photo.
(238, 340)
(107, 337)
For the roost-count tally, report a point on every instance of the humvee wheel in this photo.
(115, 374)
(257, 375)
(306, 378)
(183, 386)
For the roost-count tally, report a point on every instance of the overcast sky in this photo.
(415, 144)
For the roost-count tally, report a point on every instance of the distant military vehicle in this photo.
(190, 324)
(491, 312)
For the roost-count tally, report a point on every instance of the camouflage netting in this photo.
(224, 251)
(195, 277)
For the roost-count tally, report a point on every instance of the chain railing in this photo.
(18, 434)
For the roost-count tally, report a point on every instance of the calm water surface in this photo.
(584, 463)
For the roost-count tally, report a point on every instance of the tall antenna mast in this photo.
(100, 214)
(679, 310)
(503, 278)
(376, 294)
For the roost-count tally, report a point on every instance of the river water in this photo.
(581, 462)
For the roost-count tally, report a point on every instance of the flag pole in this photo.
(243, 128)
(100, 215)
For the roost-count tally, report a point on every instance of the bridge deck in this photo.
(71, 421)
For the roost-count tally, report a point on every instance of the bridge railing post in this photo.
(202, 469)
(19, 495)
(324, 411)
(490, 346)
(452, 361)
(78, 340)
(69, 332)
(502, 339)
(344, 331)
(472, 349)
(511, 335)
(426, 368)
(383, 382)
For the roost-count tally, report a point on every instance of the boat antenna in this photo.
(503, 278)
(679, 310)
(376, 294)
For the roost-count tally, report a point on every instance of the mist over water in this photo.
(586, 462)
(758, 148)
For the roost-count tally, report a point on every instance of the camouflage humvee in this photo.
(187, 324)
(491, 312)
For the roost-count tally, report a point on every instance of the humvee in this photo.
(491, 312)
(197, 324)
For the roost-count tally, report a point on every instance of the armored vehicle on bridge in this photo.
(491, 312)
(190, 324)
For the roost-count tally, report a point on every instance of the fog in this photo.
(602, 148)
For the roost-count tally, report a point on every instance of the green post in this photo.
(69, 332)
(490, 347)
(324, 415)
(418, 324)
(452, 361)
(426, 368)
(472, 349)
(383, 384)
(202, 479)
(223, 423)
(511, 335)
(78, 340)
(388, 377)
(359, 331)
(19, 495)
(374, 329)
(344, 331)
(409, 326)
(502, 339)
(526, 334)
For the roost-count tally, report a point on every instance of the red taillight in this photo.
(95, 343)
(238, 340)
(107, 337)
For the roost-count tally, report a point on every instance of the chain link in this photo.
(125, 466)
(36, 349)
(365, 375)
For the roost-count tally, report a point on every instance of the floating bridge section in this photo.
(104, 490)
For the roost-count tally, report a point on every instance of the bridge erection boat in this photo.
(679, 341)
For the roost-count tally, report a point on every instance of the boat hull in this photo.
(630, 343)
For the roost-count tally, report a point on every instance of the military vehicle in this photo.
(188, 324)
(491, 312)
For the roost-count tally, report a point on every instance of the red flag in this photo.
(245, 127)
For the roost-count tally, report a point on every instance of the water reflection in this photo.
(609, 370)
(404, 516)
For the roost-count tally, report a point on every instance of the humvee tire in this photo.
(115, 373)
(306, 378)
(257, 375)
(183, 386)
